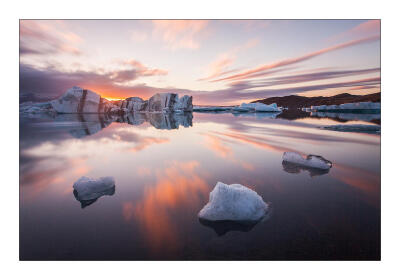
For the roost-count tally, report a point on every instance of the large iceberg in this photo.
(79, 100)
(360, 107)
(257, 107)
(88, 190)
(160, 102)
(312, 161)
(233, 203)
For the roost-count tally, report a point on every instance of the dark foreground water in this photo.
(165, 167)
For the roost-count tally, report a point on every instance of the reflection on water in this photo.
(87, 202)
(375, 118)
(294, 114)
(178, 187)
(222, 227)
(165, 176)
(294, 168)
(81, 125)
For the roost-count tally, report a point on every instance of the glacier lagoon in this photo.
(166, 165)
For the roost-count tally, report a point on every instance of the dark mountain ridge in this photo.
(296, 101)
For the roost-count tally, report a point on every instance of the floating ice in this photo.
(36, 108)
(356, 107)
(233, 203)
(355, 128)
(258, 107)
(88, 190)
(212, 108)
(312, 161)
(347, 116)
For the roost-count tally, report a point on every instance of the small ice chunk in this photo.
(258, 107)
(211, 108)
(233, 203)
(88, 189)
(310, 161)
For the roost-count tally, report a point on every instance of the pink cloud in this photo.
(180, 34)
(219, 67)
(144, 70)
(45, 37)
(290, 61)
(367, 28)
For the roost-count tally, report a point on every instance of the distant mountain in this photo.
(296, 101)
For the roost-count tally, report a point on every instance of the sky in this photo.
(218, 62)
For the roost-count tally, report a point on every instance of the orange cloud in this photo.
(180, 34)
(144, 70)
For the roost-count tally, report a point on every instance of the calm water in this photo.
(165, 167)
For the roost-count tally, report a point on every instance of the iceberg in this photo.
(258, 107)
(312, 161)
(78, 100)
(88, 190)
(30, 108)
(233, 203)
(160, 102)
(212, 108)
(355, 128)
(359, 107)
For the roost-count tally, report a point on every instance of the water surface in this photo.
(164, 168)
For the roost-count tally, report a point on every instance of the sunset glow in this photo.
(216, 61)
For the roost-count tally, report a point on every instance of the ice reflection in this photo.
(294, 114)
(222, 227)
(87, 202)
(348, 116)
(294, 168)
(82, 125)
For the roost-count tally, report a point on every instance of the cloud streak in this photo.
(53, 83)
(39, 38)
(219, 67)
(290, 61)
